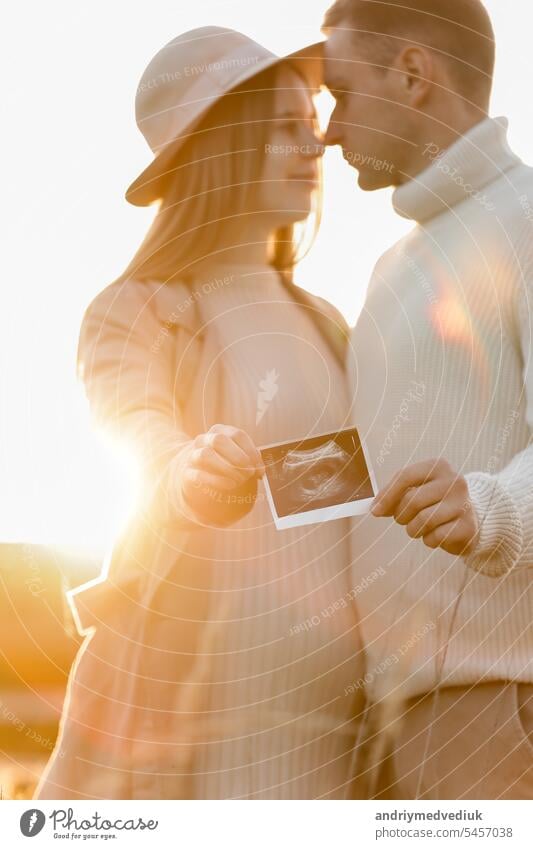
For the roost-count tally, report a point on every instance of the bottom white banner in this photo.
(267, 825)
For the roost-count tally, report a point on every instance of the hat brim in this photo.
(148, 187)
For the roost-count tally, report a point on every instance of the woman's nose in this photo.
(314, 147)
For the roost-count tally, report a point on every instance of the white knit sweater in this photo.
(440, 363)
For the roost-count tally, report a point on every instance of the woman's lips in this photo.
(307, 179)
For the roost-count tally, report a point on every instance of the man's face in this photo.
(368, 122)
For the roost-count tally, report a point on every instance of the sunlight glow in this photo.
(68, 231)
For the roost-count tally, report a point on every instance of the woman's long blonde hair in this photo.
(213, 181)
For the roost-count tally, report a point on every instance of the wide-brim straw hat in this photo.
(186, 78)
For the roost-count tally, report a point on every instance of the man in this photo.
(443, 396)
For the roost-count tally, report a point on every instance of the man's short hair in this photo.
(459, 30)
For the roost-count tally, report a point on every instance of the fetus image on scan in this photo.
(317, 472)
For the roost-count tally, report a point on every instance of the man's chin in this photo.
(371, 182)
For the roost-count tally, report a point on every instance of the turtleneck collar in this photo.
(481, 156)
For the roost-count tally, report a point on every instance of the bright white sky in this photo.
(70, 74)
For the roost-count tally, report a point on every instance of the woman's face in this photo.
(290, 172)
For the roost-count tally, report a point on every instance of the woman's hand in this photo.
(223, 460)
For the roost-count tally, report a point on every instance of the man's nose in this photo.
(332, 135)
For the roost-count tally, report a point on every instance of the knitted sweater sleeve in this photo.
(504, 501)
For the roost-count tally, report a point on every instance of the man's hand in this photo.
(433, 502)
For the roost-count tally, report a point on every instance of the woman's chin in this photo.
(296, 214)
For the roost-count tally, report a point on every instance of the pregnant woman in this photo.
(208, 669)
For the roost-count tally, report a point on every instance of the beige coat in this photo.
(143, 358)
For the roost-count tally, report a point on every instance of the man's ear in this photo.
(414, 69)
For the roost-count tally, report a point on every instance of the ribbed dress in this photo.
(287, 644)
